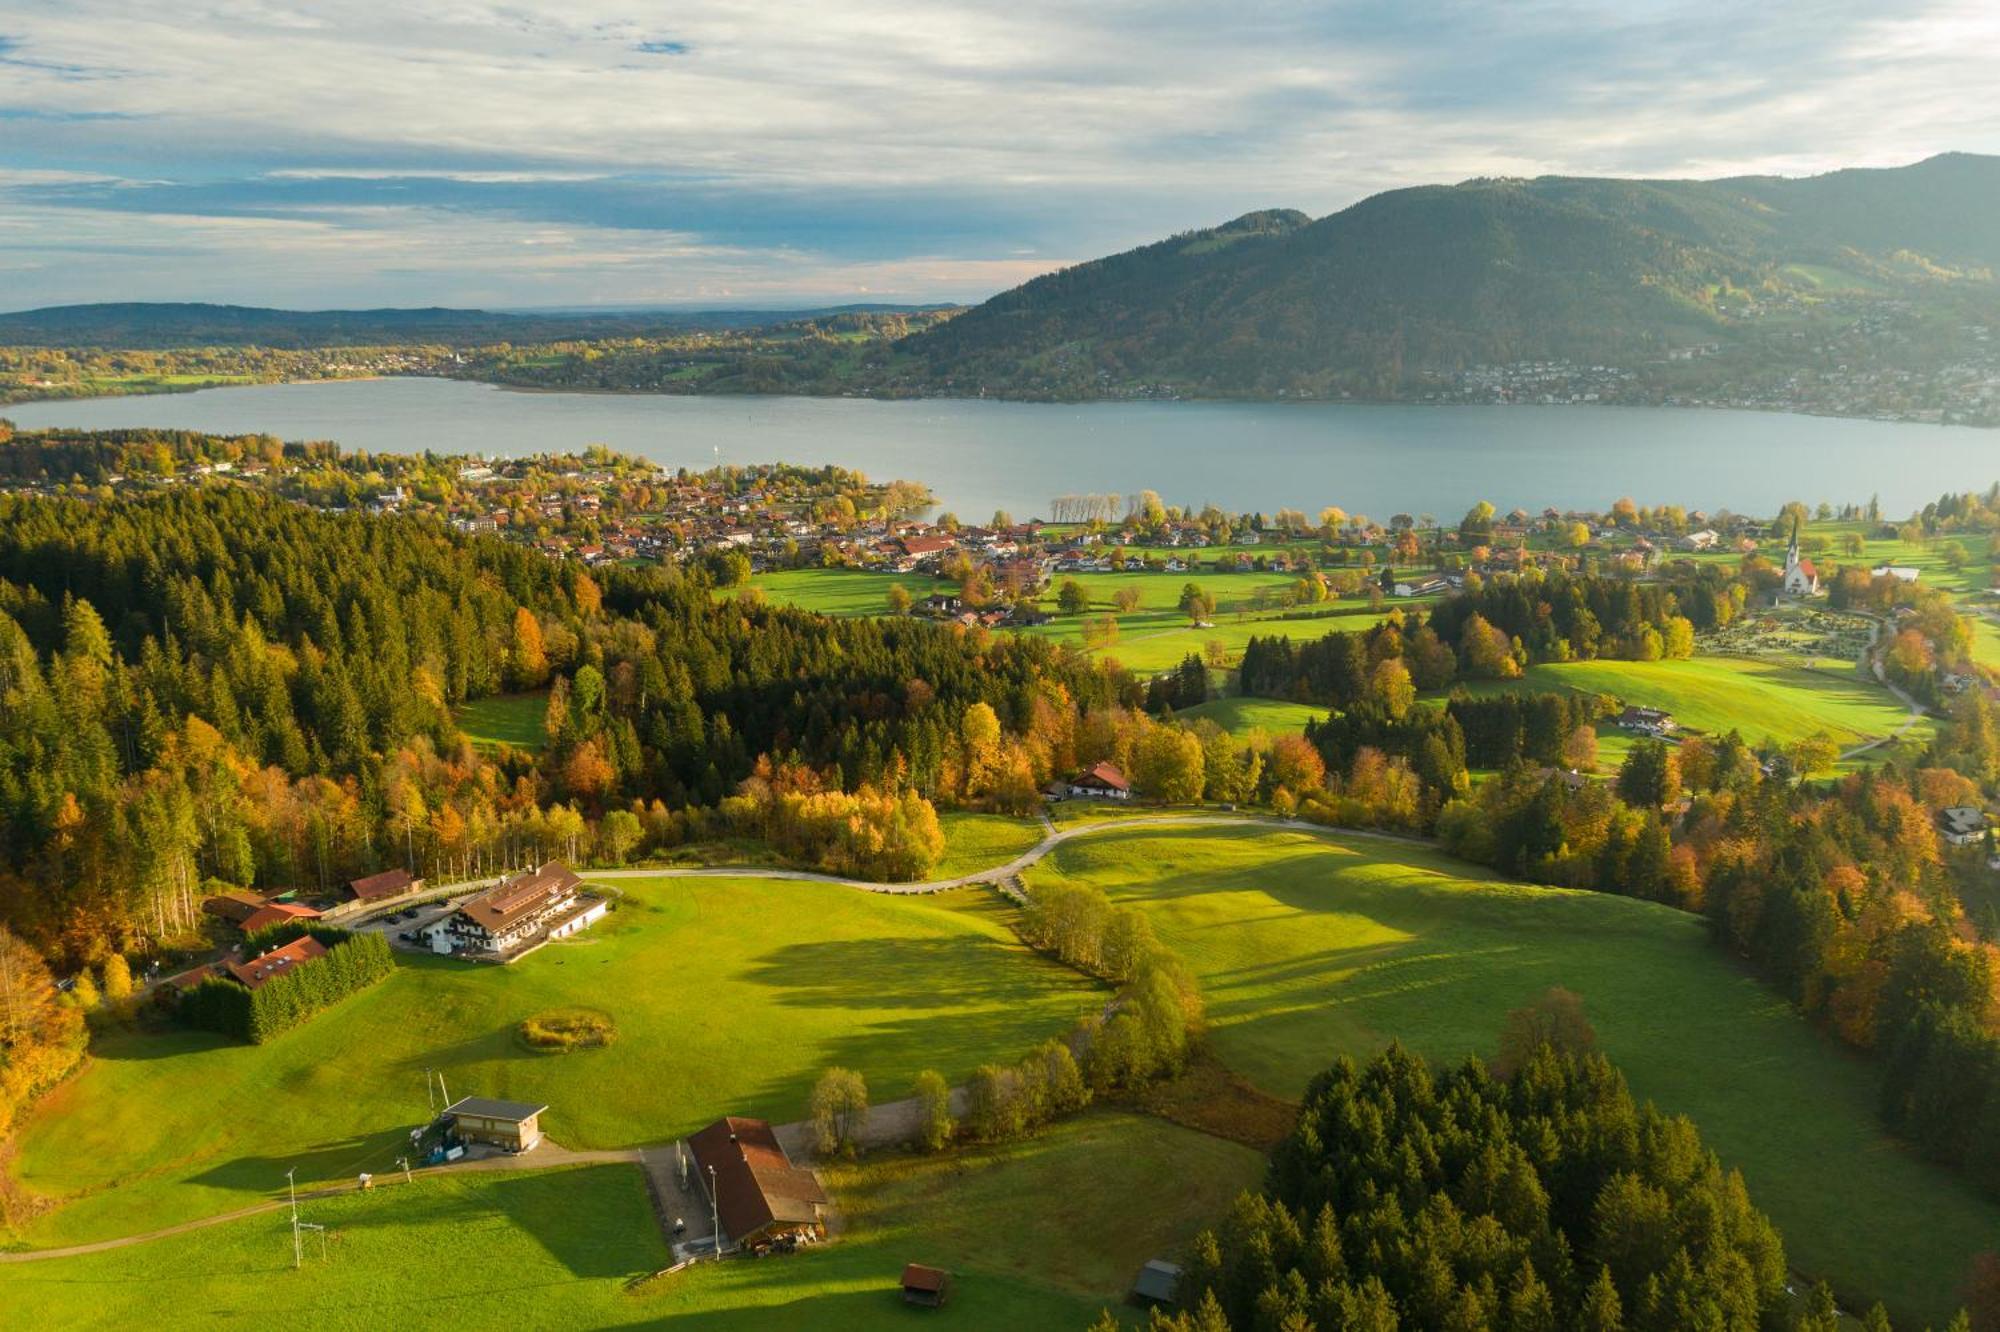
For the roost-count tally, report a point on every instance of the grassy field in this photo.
(505, 719)
(1038, 1234)
(728, 995)
(1715, 694)
(1154, 637)
(1308, 947)
(556, 1248)
(1240, 716)
(975, 842)
(1986, 642)
(500, 1250)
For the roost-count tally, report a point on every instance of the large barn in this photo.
(758, 1194)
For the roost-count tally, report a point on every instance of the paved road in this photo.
(1917, 711)
(547, 1156)
(1051, 840)
(889, 1122)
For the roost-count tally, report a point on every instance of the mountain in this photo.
(165, 325)
(1416, 284)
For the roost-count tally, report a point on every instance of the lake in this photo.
(980, 455)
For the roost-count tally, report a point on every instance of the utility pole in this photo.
(443, 1095)
(714, 1212)
(292, 1185)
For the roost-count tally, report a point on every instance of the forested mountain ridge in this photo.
(1427, 281)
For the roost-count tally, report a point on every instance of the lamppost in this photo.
(714, 1213)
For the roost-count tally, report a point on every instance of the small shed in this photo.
(515, 1125)
(926, 1286)
(1155, 1283)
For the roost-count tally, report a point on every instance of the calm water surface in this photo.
(979, 456)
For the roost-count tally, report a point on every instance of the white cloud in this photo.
(1120, 120)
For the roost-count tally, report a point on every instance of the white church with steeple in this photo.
(1801, 578)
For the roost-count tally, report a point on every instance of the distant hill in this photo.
(1427, 281)
(169, 325)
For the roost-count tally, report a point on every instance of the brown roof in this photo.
(755, 1182)
(388, 883)
(235, 906)
(1102, 774)
(509, 901)
(919, 1277)
(276, 962)
(276, 913)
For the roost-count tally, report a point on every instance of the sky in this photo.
(353, 153)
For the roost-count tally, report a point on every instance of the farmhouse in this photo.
(1648, 721)
(253, 973)
(1101, 781)
(1961, 825)
(275, 913)
(758, 1194)
(515, 1125)
(235, 906)
(1902, 573)
(383, 886)
(530, 907)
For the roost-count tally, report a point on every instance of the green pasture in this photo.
(505, 719)
(1242, 716)
(1040, 1233)
(1037, 1234)
(1310, 946)
(487, 1249)
(975, 842)
(1759, 699)
(728, 996)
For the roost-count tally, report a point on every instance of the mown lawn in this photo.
(1042, 1233)
(1154, 637)
(728, 995)
(488, 1249)
(975, 842)
(505, 719)
(1759, 699)
(1037, 1234)
(1240, 716)
(1309, 947)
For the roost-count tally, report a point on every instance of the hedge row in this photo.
(353, 962)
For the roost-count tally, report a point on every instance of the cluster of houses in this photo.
(516, 915)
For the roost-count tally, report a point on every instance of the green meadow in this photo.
(1760, 699)
(1037, 1234)
(1152, 637)
(558, 1248)
(728, 996)
(1309, 946)
(505, 719)
(975, 842)
(1241, 716)
(487, 1249)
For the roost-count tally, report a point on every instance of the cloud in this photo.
(960, 138)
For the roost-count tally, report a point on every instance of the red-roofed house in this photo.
(1101, 781)
(277, 962)
(381, 887)
(276, 913)
(758, 1194)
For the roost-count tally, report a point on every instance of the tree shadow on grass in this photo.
(315, 1164)
(594, 1220)
(905, 974)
